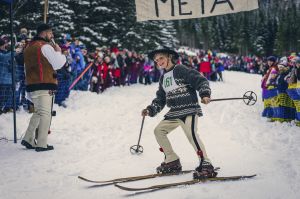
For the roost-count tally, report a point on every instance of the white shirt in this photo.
(56, 59)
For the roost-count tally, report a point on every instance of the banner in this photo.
(7, 1)
(186, 9)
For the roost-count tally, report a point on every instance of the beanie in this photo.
(2, 42)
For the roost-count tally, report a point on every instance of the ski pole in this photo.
(83, 72)
(79, 77)
(249, 98)
(53, 113)
(138, 149)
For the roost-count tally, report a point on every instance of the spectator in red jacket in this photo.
(205, 67)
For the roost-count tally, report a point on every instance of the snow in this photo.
(101, 8)
(186, 51)
(92, 137)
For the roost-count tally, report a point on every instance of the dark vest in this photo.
(40, 75)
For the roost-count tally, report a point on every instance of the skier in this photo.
(177, 89)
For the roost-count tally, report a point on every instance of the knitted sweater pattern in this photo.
(183, 99)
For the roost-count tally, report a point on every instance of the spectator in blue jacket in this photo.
(79, 63)
(5, 77)
(5, 59)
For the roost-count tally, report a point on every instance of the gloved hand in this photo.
(145, 112)
(205, 100)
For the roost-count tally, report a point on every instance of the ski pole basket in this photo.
(138, 149)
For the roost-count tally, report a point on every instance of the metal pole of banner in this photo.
(13, 69)
(46, 10)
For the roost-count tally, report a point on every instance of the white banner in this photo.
(186, 9)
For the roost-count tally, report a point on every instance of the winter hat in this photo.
(23, 31)
(5, 38)
(163, 50)
(274, 72)
(272, 58)
(42, 27)
(2, 42)
(283, 60)
(115, 50)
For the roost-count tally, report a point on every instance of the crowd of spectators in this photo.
(281, 89)
(99, 69)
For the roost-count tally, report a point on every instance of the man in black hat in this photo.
(177, 89)
(41, 59)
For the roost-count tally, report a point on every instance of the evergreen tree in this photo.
(260, 33)
(203, 33)
(273, 28)
(22, 16)
(251, 32)
(244, 42)
(60, 17)
(82, 27)
(141, 36)
(214, 33)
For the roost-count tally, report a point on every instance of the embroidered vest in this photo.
(40, 75)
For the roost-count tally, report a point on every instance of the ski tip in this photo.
(123, 188)
(246, 176)
(84, 179)
(250, 176)
(131, 189)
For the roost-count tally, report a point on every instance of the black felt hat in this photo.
(42, 27)
(163, 50)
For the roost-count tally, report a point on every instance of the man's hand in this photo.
(57, 48)
(205, 100)
(145, 112)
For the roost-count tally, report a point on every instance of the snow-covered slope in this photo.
(93, 135)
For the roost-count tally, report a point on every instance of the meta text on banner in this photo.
(184, 9)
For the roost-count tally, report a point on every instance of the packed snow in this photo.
(92, 137)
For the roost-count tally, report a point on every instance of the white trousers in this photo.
(40, 119)
(189, 126)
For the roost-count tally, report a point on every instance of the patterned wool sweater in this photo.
(177, 89)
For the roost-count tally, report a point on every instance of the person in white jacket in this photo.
(42, 58)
